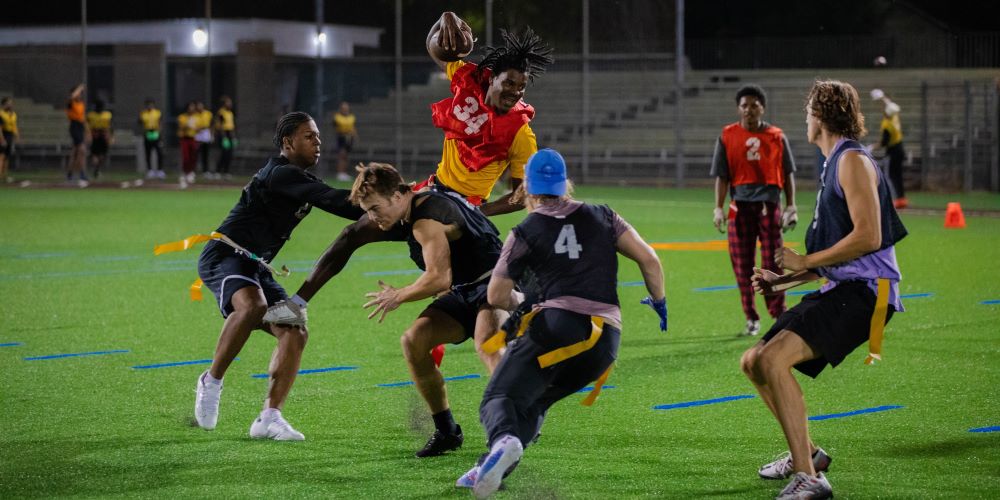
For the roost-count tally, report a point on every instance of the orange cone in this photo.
(953, 216)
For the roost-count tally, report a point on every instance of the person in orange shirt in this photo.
(75, 111)
(753, 163)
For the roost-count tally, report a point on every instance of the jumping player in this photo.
(273, 203)
(850, 242)
(456, 247)
(573, 333)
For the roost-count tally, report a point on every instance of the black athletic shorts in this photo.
(224, 271)
(834, 323)
(462, 303)
(76, 132)
(8, 150)
(99, 145)
(345, 142)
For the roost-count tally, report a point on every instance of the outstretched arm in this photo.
(333, 260)
(503, 204)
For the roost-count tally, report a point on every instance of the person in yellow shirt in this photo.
(892, 141)
(203, 136)
(347, 136)
(101, 135)
(10, 135)
(225, 130)
(187, 126)
(149, 119)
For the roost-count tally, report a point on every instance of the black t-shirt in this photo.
(474, 253)
(275, 200)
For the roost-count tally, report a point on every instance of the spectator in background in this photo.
(892, 141)
(347, 134)
(10, 135)
(187, 126)
(203, 136)
(150, 118)
(75, 111)
(225, 129)
(754, 163)
(101, 135)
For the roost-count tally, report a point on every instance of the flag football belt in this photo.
(501, 337)
(190, 241)
(877, 328)
(433, 183)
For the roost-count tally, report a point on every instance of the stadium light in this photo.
(320, 38)
(200, 38)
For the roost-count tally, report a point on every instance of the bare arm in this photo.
(859, 181)
(75, 94)
(335, 257)
(631, 245)
(503, 205)
(789, 189)
(500, 293)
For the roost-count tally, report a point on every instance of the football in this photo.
(455, 54)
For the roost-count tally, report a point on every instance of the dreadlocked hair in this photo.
(525, 53)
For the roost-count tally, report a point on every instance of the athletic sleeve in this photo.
(720, 165)
(524, 145)
(787, 158)
(619, 225)
(510, 264)
(295, 183)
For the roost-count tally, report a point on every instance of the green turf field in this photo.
(77, 274)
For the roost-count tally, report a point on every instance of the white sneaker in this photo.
(504, 453)
(189, 177)
(82, 183)
(271, 425)
(206, 402)
(468, 480)
(286, 312)
(151, 174)
(782, 467)
(344, 177)
(183, 182)
(753, 328)
(161, 174)
(806, 487)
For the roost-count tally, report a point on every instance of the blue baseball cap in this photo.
(546, 173)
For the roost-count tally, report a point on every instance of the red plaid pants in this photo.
(752, 221)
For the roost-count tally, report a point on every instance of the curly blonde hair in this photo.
(836, 105)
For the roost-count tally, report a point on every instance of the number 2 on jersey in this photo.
(566, 242)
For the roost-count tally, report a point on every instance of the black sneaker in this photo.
(439, 443)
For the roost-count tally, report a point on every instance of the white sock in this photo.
(270, 413)
(299, 301)
(209, 379)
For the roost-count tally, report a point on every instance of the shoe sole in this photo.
(491, 472)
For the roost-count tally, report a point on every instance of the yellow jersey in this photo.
(225, 121)
(150, 119)
(452, 173)
(99, 120)
(187, 124)
(891, 124)
(9, 121)
(344, 124)
(203, 119)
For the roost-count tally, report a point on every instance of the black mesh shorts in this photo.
(462, 303)
(224, 272)
(834, 323)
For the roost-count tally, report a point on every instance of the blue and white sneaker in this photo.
(504, 453)
(468, 480)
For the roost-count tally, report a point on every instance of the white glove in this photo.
(789, 217)
(719, 219)
(286, 312)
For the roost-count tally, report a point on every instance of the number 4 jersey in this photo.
(572, 249)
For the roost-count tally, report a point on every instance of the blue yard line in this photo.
(715, 288)
(855, 412)
(993, 428)
(459, 377)
(916, 295)
(800, 292)
(176, 363)
(703, 402)
(312, 370)
(47, 255)
(991, 302)
(632, 283)
(590, 388)
(391, 273)
(11, 344)
(75, 354)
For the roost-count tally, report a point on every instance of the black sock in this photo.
(444, 422)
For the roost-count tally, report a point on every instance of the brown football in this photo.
(447, 55)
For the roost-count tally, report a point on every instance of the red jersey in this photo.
(754, 157)
(482, 135)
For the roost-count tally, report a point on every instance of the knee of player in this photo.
(412, 344)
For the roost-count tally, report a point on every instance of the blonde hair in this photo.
(836, 105)
(532, 201)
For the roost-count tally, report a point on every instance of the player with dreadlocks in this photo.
(487, 132)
